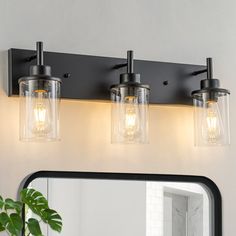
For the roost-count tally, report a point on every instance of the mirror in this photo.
(105, 204)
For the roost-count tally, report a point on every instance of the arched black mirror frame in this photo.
(208, 184)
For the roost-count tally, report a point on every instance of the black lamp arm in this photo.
(208, 70)
(199, 72)
(39, 47)
(129, 64)
(118, 66)
(31, 58)
(38, 55)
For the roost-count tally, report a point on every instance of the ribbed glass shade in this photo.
(129, 115)
(39, 110)
(211, 117)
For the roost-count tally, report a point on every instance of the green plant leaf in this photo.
(39, 205)
(1, 202)
(52, 218)
(13, 224)
(1, 228)
(34, 227)
(4, 219)
(14, 205)
(18, 206)
(35, 201)
(16, 221)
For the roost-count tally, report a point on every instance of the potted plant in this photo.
(11, 212)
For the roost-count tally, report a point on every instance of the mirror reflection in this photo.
(94, 207)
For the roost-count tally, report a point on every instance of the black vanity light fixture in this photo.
(211, 111)
(39, 102)
(91, 77)
(130, 99)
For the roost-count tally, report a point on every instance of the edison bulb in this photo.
(129, 115)
(212, 129)
(40, 124)
(131, 118)
(211, 117)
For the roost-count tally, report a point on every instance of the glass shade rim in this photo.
(129, 85)
(197, 94)
(39, 78)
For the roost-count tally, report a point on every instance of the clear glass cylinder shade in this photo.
(129, 115)
(211, 118)
(39, 110)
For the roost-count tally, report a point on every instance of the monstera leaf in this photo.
(1, 228)
(12, 223)
(39, 205)
(1, 202)
(34, 227)
(52, 218)
(35, 201)
(13, 205)
(11, 219)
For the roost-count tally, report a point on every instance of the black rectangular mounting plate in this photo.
(92, 76)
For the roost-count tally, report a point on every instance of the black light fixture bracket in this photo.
(210, 85)
(90, 77)
(39, 71)
(129, 79)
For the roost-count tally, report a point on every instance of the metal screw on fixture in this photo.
(67, 75)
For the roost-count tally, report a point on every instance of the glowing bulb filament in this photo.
(213, 123)
(130, 123)
(41, 116)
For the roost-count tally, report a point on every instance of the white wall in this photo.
(168, 30)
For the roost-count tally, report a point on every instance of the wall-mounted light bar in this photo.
(91, 78)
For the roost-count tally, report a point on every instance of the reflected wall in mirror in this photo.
(105, 204)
